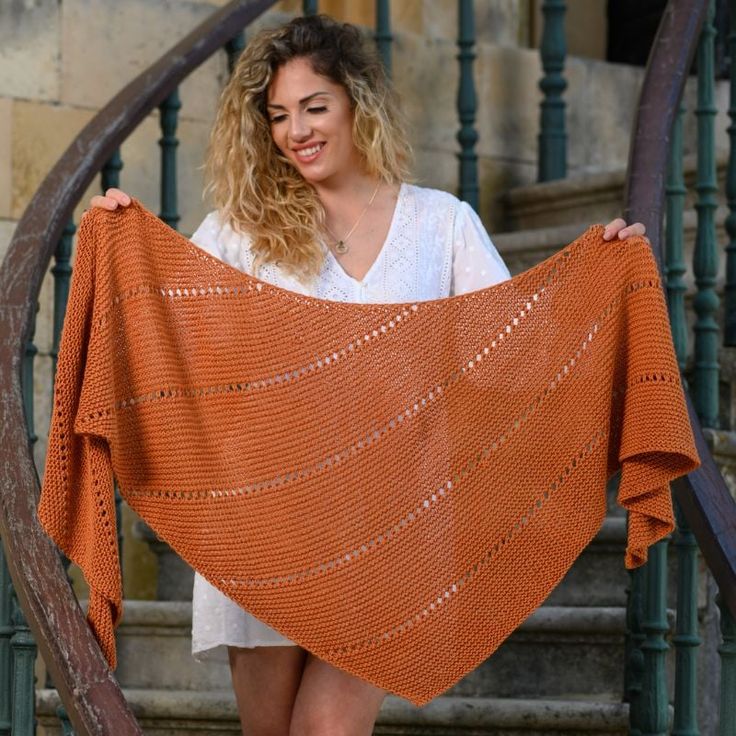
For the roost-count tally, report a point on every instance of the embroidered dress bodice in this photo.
(436, 246)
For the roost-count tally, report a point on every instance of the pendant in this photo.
(340, 247)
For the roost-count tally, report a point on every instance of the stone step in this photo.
(183, 713)
(159, 632)
(155, 650)
(522, 249)
(558, 651)
(590, 197)
(598, 577)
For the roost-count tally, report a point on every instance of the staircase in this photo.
(561, 672)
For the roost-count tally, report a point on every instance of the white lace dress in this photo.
(436, 247)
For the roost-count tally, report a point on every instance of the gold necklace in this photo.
(340, 245)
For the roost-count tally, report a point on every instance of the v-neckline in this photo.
(387, 240)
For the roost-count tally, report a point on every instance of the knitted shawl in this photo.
(394, 487)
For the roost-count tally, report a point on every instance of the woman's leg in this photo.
(331, 702)
(266, 680)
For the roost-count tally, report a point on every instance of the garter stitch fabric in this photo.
(394, 487)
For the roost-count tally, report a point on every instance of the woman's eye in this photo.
(317, 109)
(277, 118)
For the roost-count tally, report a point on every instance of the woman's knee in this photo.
(266, 681)
(331, 702)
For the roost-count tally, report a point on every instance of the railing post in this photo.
(552, 162)
(6, 631)
(686, 639)
(233, 49)
(24, 657)
(169, 115)
(63, 716)
(729, 332)
(705, 257)
(309, 7)
(727, 650)
(466, 105)
(634, 664)
(674, 259)
(654, 705)
(62, 274)
(110, 173)
(383, 35)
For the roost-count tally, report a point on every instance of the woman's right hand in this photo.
(111, 199)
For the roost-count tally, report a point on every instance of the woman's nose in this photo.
(299, 128)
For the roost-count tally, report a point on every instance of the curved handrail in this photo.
(85, 683)
(703, 495)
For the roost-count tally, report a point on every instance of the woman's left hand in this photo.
(620, 228)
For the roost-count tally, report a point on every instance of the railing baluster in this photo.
(674, 259)
(654, 705)
(634, 664)
(24, 657)
(552, 162)
(686, 639)
(309, 7)
(729, 331)
(66, 726)
(110, 174)
(6, 631)
(234, 48)
(110, 177)
(705, 257)
(727, 650)
(383, 35)
(62, 273)
(169, 118)
(466, 105)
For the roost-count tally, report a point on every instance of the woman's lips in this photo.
(304, 157)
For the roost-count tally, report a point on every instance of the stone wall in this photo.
(61, 60)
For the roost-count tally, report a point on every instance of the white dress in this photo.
(436, 247)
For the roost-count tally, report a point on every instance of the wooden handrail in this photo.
(86, 685)
(703, 495)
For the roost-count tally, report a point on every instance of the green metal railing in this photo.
(467, 104)
(646, 687)
(552, 156)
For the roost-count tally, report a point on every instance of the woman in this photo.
(307, 164)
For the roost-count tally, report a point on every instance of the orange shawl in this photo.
(395, 487)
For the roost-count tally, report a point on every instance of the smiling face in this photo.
(312, 122)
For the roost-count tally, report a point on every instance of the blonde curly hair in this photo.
(256, 189)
